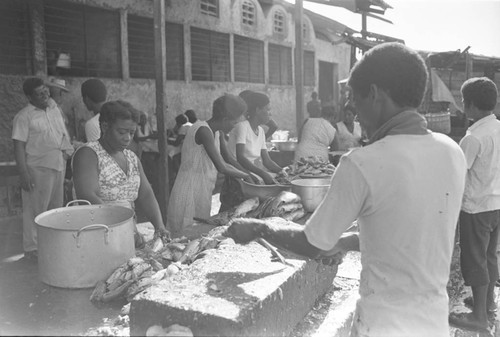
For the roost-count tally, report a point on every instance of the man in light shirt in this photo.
(94, 96)
(41, 147)
(480, 215)
(404, 188)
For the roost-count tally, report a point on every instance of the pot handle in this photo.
(77, 200)
(77, 235)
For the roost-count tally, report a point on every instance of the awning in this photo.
(357, 6)
(440, 92)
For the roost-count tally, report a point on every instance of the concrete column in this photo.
(37, 30)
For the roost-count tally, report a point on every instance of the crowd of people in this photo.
(407, 189)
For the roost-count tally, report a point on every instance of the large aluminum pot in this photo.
(311, 191)
(81, 245)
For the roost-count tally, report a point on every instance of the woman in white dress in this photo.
(200, 161)
(247, 146)
(316, 135)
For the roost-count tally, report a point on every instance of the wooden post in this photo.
(38, 38)
(124, 43)
(161, 102)
(468, 66)
(299, 72)
(363, 25)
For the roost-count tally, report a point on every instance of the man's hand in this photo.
(347, 242)
(244, 230)
(27, 183)
(332, 260)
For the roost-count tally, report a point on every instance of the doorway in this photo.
(326, 84)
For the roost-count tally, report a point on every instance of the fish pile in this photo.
(159, 260)
(286, 204)
(309, 167)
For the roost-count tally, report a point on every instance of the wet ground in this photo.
(28, 306)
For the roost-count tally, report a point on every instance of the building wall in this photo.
(186, 94)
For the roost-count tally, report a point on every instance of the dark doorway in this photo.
(326, 89)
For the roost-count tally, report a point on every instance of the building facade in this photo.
(212, 47)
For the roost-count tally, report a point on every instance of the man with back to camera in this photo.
(480, 214)
(405, 189)
(94, 96)
(314, 105)
(41, 147)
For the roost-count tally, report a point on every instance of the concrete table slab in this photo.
(235, 290)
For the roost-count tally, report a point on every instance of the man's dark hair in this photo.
(95, 90)
(228, 106)
(480, 91)
(181, 119)
(395, 68)
(113, 110)
(30, 84)
(191, 115)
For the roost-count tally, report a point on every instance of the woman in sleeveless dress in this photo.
(191, 194)
(315, 137)
(106, 172)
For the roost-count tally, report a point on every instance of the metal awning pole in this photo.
(161, 102)
(299, 72)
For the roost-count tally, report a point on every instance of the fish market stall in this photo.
(209, 285)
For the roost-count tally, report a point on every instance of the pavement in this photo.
(31, 308)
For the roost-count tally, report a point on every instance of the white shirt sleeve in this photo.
(470, 146)
(92, 130)
(340, 207)
(20, 127)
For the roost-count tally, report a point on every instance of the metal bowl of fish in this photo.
(311, 191)
(285, 145)
(262, 191)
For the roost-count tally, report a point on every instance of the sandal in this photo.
(466, 321)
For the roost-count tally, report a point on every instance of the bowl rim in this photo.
(263, 185)
(297, 184)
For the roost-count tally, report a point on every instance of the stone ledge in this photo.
(235, 290)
